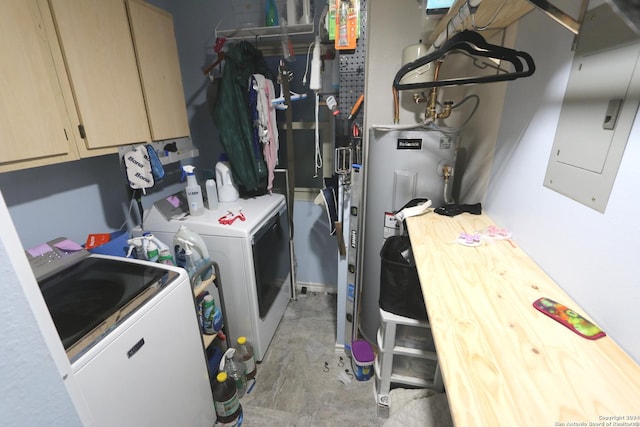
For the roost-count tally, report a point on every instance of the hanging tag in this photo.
(138, 168)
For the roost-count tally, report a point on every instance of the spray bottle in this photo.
(164, 253)
(135, 244)
(191, 259)
(235, 368)
(150, 250)
(194, 192)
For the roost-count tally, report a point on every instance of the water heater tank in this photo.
(421, 74)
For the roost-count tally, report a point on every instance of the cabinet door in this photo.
(158, 62)
(35, 128)
(98, 51)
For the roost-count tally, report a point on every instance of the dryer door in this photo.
(272, 260)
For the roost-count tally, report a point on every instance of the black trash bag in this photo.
(400, 291)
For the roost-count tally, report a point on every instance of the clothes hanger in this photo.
(220, 41)
(209, 69)
(474, 45)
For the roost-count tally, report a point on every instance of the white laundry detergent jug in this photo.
(227, 190)
(195, 244)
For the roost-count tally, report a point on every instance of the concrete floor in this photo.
(291, 388)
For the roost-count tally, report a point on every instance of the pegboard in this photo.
(352, 71)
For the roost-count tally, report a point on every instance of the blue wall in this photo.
(87, 196)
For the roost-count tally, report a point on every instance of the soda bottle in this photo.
(245, 351)
(225, 399)
(235, 369)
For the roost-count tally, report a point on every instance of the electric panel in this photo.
(598, 110)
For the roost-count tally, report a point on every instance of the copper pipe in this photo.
(446, 111)
(396, 106)
(433, 95)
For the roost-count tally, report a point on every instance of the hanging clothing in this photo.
(231, 116)
(265, 127)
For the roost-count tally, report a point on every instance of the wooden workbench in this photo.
(503, 362)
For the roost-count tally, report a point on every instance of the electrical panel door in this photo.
(598, 110)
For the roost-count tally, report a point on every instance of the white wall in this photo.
(33, 392)
(592, 256)
(315, 249)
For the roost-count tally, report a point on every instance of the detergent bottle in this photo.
(227, 190)
(197, 246)
(194, 192)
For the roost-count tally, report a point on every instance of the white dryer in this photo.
(253, 256)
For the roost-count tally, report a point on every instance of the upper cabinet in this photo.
(159, 66)
(101, 63)
(82, 77)
(36, 125)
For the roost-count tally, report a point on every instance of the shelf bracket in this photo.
(560, 16)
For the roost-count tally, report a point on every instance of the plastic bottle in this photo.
(292, 12)
(225, 399)
(236, 369)
(191, 259)
(227, 190)
(211, 316)
(197, 245)
(194, 192)
(306, 12)
(246, 354)
(332, 105)
(164, 253)
(212, 194)
(271, 13)
(208, 307)
(166, 257)
(135, 245)
(151, 250)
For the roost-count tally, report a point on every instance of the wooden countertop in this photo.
(503, 362)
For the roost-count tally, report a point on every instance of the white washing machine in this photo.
(253, 256)
(131, 333)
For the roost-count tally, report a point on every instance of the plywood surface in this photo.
(503, 362)
(491, 14)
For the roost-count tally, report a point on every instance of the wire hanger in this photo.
(474, 45)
